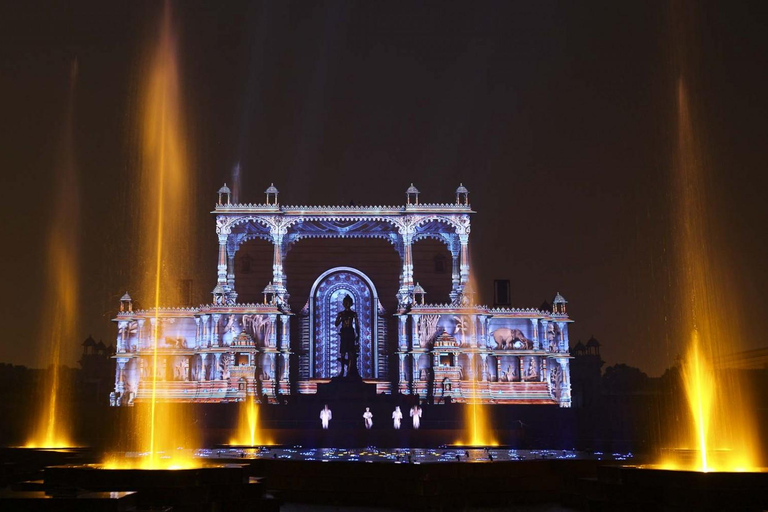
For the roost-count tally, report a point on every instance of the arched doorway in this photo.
(326, 298)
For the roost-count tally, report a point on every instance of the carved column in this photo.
(415, 332)
(535, 333)
(204, 341)
(215, 330)
(405, 294)
(455, 271)
(272, 340)
(202, 375)
(139, 333)
(464, 261)
(215, 374)
(484, 368)
(153, 327)
(231, 272)
(122, 327)
(120, 383)
(563, 336)
(402, 340)
(403, 378)
(471, 373)
(285, 345)
(278, 232)
(545, 338)
(197, 332)
(221, 276)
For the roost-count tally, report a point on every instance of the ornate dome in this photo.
(592, 342)
(271, 190)
(559, 299)
(125, 297)
(218, 289)
(462, 189)
(270, 288)
(419, 289)
(225, 190)
(244, 339)
(412, 190)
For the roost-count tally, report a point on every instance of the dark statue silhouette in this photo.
(349, 335)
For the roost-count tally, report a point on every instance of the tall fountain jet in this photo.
(53, 423)
(721, 435)
(163, 191)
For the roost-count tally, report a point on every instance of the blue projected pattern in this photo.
(328, 298)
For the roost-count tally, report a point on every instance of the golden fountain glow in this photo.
(722, 434)
(477, 430)
(248, 431)
(53, 424)
(165, 432)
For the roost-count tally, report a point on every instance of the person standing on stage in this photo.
(397, 417)
(325, 416)
(416, 415)
(368, 418)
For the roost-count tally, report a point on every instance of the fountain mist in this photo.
(722, 433)
(53, 426)
(163, 430)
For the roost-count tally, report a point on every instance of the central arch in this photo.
(326, 297)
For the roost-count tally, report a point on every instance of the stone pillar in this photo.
(272, 340)
(221, 276)
(405, 294)
(215, 330)
(286, 366)
(197, 332)
(231, 271)
(402, 367)
(120, 374)
(278, 232)
(455, 273)
(415, 367)
(563, 336)
(122, 327)
(464, 261)
(217, 357)
(545, 335)
(154, 331)
(471, 374)
(535, 333)
(415, 331)
(484, 367)
(402, 338)
(565, 397)
(285, 341)
(201, 376)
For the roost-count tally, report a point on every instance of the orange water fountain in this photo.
(165, 435)
(53, 420)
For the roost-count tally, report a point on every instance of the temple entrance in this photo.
(326, 299)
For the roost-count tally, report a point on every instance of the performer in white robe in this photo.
(326, 416)
(397, 417)
(368, 418)
(416, 415)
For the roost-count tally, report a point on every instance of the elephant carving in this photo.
(507, 338)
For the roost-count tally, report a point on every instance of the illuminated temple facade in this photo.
(282, 274)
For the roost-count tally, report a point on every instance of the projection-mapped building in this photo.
(282, 274)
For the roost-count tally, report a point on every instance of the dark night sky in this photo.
(558, 116)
